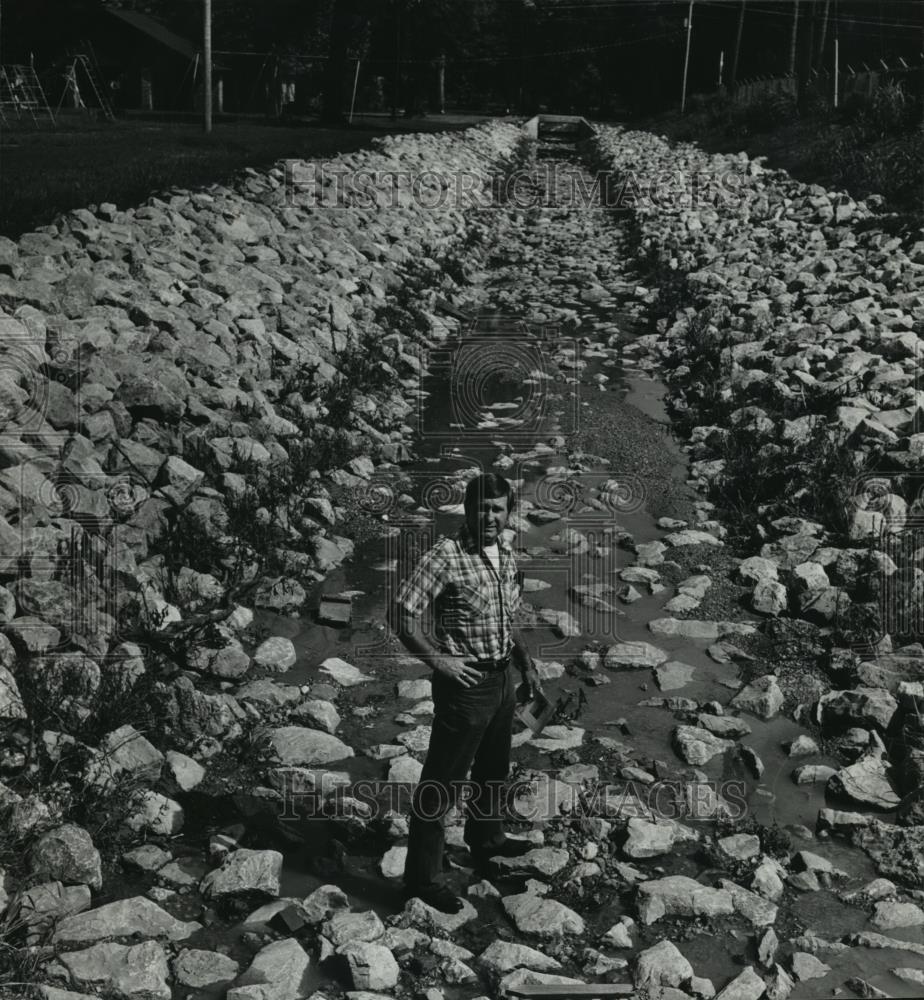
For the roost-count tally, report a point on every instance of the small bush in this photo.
(769, 110)
(889, 110)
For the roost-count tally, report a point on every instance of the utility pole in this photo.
(733, 82)
(793, 37)
(822, 35)
(686, 59)
(721, 66)
(207, 61)
(397, 88)
(441, 82)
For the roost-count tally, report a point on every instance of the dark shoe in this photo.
(439, 897)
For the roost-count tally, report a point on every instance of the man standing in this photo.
(471, 583)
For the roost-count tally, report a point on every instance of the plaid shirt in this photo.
(474, 608)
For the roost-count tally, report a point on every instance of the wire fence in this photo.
(850, 82)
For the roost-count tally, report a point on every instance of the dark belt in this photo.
(491, 666)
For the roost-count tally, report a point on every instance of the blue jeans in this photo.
(472, 728)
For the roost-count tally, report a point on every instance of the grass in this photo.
(46, 171)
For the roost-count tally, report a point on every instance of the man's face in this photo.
(487, 520)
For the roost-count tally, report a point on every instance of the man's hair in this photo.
(489, 486)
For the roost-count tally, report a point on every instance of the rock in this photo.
(11, 703)
(392, 864)
(746, 986)
(740, 846)
(648, 840)
(750, 905)
(889, 915)
(661, 965)
(673, 674)
(766, 949)
(540, 861)
(136, 915)
(698, 746)
(344, 926)
(319, 714)
(244, 872)
(762, 697)
(268, 694)
(135, 972)
(342, 672)
(67, 855)
(556, 738)
(619, 935)
(418, 914)
(278, 972)
(687, 628)
(154, 812)
(504, 956)
(810, 774)
(296, 745)
(417, 739)
(415, 690)
(186, 772)
(779, 984)
(324, 902)
(802, 746)
(545, 918)
(404, 770)
(202, 970)
(228, 662)
(691, 536)
(372, 966)
(769, 597)
(276, 654)
(756, 570)
(126, 750)
(915, 976)
(43, 905)
(805, 966)
(633, 655)
(678, 895)
(862, 706)
(726, 726)
(865, 782)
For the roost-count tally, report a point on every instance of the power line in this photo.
(842, 18)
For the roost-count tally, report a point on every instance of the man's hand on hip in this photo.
(456, 668)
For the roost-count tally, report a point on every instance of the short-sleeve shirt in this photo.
(474, 607)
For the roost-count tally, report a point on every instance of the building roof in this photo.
(154, 29)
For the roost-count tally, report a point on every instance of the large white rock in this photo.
(276, 653)
(633, 655)
(298, 745)
(661, 965)
(866, 782)
(342, 672)
(504, 956)
(242, 872)
(136, 915)
(698, 746)
(678, 895)
(545, 918)
(372, 966)
(135, 972)
(278, 972)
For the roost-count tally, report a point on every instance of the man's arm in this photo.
(407, 628)
(523, 661)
